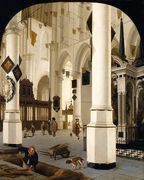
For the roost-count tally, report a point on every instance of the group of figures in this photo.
(51, 127)
(26, 131)
(30, 158)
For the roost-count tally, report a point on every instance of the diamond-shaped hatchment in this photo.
(7, 64)
(17, 72)
(74, 97)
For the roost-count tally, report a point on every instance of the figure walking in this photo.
(48, 127)
(53, 126)
(43, 128)
(76, 128)
(33, 130)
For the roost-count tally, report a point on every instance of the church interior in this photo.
(74, 60)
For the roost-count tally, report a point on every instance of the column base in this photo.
(12, 133)
(101, 145)
(102, 166)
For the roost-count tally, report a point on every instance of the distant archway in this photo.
(43, 89)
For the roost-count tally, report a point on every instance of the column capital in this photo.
(75, 74)
(53, 45)
(121, 92)
(60, 78)
(12, 29)
(59, 75)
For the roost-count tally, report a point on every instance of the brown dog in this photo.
(75, 162)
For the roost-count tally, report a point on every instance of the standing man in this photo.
(32, 129)
(53, 126)
(48, 127)
(43, 128)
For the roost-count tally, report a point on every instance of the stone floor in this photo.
(126, 169)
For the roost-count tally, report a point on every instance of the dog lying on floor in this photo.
(75, 162)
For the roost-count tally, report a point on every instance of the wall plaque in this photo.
(56, 103)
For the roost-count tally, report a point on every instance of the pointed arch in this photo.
(63, 59)
(43, 88)
(118, 61)
(83, 54)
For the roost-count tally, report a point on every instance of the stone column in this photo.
(123, 121)
(118, 129)
(77, 101)
(119, 109)
(121, 129)
(101, 132)
(52, 74)
(35, 92)
(59, 120)
(12, 126)
(29, 66)
(123, 108)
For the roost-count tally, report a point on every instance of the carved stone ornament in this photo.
(9, 89)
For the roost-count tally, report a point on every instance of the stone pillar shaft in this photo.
(123, 108)
(12, 127)
(119, 109)
(13, 52)
(101, 67)
(101, 133)
(60, 121)
(121, 133)
(77, 101)
(52, 74)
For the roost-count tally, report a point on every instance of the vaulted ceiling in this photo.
(40, 12)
